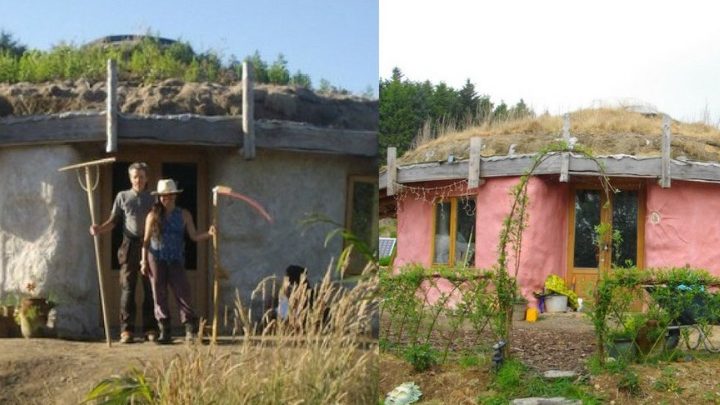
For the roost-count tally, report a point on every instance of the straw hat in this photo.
(166, 186)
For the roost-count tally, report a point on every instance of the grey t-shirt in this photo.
(133, 207)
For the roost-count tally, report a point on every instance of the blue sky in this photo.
(328, 39)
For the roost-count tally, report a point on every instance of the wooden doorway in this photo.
(588, 207)
(189, 169)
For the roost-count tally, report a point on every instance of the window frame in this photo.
(374, 220)
(453, 228)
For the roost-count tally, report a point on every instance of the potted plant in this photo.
(32, 314)
(620, 344)
(8, 326)
(621, 340)
(519, 307)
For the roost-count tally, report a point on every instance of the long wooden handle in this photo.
(216, 270)
(98, 262)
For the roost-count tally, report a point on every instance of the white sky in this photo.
(560, 55)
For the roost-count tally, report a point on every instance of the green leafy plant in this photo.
(629, 383)
(515, 380)
(675, 295)
(129, 388)
(668, 381)
(421, 356)
(510, 244)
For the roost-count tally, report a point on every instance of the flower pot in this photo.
(519, 311)
(556, 303)
(33, 316)
(621, 348)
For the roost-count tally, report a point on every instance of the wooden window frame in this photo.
(453, 228)
(606, 215)
(351, 180)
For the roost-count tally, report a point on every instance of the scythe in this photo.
(218, 272)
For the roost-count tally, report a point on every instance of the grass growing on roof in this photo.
(603, 130)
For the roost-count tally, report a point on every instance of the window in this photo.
(454, 231)
(362, 217)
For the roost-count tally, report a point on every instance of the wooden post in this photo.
(474, 179)
(565, 162)
(666, 142)
(248, 119)
(391, 170)
(216, 267)
(111, 110)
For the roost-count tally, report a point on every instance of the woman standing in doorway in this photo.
(163, 258)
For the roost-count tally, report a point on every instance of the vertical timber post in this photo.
(391, 170)
(248, 118)
(474, 180)
(111, 108)
(565, 162)
(665, 163)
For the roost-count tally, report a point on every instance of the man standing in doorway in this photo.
(132, 206)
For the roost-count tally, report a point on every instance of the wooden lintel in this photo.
(287, 135)
(185, 130)
(57, 129)
(615, 166)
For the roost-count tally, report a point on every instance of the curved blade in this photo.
(259, 208)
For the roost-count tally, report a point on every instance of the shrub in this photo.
(421, 356)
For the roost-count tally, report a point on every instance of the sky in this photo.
(561, 55)
(328, 39)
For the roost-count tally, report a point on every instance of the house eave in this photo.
(516, 165)
(184, 129)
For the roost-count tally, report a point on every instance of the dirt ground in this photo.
(565, 342)
(561, 341)
(54, 371)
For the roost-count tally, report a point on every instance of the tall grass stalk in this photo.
(323, 353)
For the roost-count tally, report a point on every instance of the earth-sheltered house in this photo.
(451, 195)
(297, 153)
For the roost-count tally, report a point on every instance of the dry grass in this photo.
(604, 130)
(316, 356)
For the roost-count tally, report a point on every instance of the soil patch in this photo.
(54, 371)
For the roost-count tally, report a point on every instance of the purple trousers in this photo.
(170, 274)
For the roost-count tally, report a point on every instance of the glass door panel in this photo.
(587, 217)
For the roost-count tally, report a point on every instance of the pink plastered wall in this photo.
(682, 226)
(414, 230)
(544, 239)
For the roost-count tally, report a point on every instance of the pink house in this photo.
(665, 208)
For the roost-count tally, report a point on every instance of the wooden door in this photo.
(624, 211)
(189, 169)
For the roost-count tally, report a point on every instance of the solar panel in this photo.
(386, 246)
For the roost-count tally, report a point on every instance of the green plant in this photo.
(470, 360)
(131, 387)
(676, 295)
(667, 382)
(279, 363)
(421, 356)
(510, 241)
(630, 383)
(514, 380)
(510, 375)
